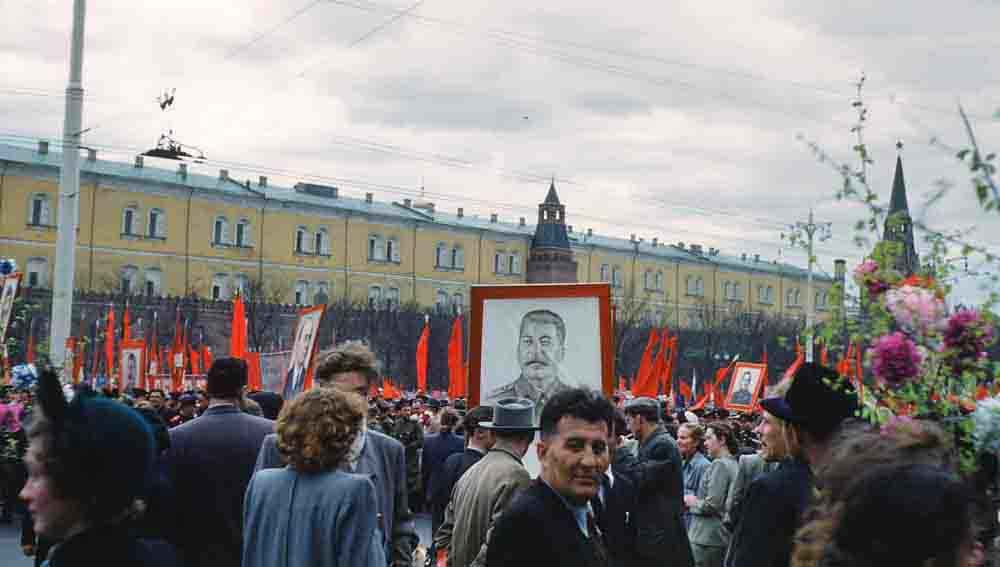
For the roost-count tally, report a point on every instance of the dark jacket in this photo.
(437, 449)
(770, 515)
(615, 516)
(452, 470)
(661, 538)
(112, 546)
(211, 460)
(537, 529)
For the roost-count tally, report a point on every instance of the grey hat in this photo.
(512, 414)
(643, 405)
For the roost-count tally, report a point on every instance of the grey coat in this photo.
(382, 458)
(749, 467)
(327, 519)
(706, 516)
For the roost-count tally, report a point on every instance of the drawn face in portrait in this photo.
(303, 343)
(746, 385)
(746, 381)
(130, 372)
(7, 304)
(541, 347)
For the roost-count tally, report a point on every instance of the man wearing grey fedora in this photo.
(482, 494)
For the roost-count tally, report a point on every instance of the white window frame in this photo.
(617, 281)
(300, 293)
(605, 273)
(220, 231)
(301, 243)
(155, 277)
(220, 287)
(44, 210)
(658, 281)
(392, 250)
(39, 267)
(242, 241)
(442, 256)
(376, 248)
(374, 296)
(130, 221)
(458, 257)
(442, 300)
(457, 303)
(392, 297)
(156, 226)
(126, 279)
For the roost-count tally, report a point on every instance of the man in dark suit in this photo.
(551, 523)
(351, 366)
(437, 448)
(656, 470)
(210, 461)
(479, 440)
(615, 505)
(816, 404)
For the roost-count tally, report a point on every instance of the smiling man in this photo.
(541, 348)
(551, 522)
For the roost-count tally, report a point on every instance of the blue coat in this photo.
(210, 462)
(327, 519)
(437, 448)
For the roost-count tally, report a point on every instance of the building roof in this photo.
(897, 203)
(216, 184)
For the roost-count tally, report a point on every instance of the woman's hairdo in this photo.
(349, 356)
(725, 432)
(316, 428)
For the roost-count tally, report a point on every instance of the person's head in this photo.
(350, 366)
(88, 461)
(157, 397)
(890, 497)
(573, 449)
(316, 428)
(270, 403)
(720, 440)
(690, 437)
(541, 345)
(187, 406)
(226, 378)
(476, 436)
(202, 401)
(643, 415)
(774, 438)
(448, 419)
(746, 380)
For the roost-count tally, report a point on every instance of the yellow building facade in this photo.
(167, 230)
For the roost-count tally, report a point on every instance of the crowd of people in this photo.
(336, 476)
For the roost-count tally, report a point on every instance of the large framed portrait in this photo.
(745, 386)
(299, 374)
(533, 341)
(132, 364)
(7, 296)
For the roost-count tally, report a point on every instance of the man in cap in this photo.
(186, 412)
(656, 470)
(541, 348)
(483, 493)
(408, 431)
(806, 420)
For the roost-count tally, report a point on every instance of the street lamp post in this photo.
(805, 233)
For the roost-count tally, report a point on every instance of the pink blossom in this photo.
(916, 309)
(895, 359)
(967, 335)
(866, 274)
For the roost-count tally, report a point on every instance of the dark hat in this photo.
(818, 400)
(270, 403)
(643, 405)
(459, 404)
(512, 414)
(434, 403)
(188, 400)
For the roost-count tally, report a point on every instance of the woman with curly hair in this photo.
(312, 512)
(890, 497)
(709, 538)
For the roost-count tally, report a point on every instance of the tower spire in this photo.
(899, 223)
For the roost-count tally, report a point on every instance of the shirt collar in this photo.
(579, 512)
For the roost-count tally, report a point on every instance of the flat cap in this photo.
(643, 404)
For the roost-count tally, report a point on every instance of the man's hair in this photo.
(582, 403)
(449, 419)
(475, 416)
(545, 316)
(651, 414)
(226, 377)
(350, 356)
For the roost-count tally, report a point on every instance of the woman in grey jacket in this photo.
(707, 533)
(312, 512)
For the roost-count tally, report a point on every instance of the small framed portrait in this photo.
(299, 374)
(7, 296)
(532, 341)
(745, 386)
(132, 364)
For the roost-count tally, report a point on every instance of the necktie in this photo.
(596, 540)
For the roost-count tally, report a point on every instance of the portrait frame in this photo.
(758, 373)
(313, 317)
(132, 348)
(9, 288)
(480, 294)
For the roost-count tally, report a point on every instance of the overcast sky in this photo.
(678, 120)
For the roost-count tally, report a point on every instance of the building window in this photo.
(243, 233)
(38, 210)
(392, 297)
(300, 240)
(616, 277)
(457, 303)
(647, 281)
(322, 246)
(153, 282)
(441, 303)
(737, 291)
(374, 297)
(38, 272)
(220, 231)
(498, 263)
(301, 292)
(392, 250)
(792, 298)
(128, 221)
(156, 228)
(458, 258)
(376, 248)
(605, 273)
(727, 290)
(659, 281)
(127, 279)
(241, 285)
(765, 294)
(322, 295)
(219, 287)
(514, 263)
(442, 259)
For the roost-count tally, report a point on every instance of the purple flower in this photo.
(895, 359)
(916, 309)
(866, 274)
(967, 336)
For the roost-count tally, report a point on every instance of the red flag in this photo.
(109, 346)
(824, 356)
(621, 384)
(859, 372)
(126, 325)
(195, 358)
(668, 372)
(764, 358)
(178, 365)
(421, 354)
(29, 356)
(253, 371)
(645, 382)
(206, 357)
(685, 389)
(800, 359)
(456, 368)
(238, 339)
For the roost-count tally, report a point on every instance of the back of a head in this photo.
(349, 356)
(270, 403)
(226, 378)
(581, 403)
(475, 416)
(449, 419)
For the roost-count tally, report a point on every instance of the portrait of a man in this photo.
(302, 348)
(744, 386)
(541, 349)
(743, 394)
(10, 284)
(130, 364)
